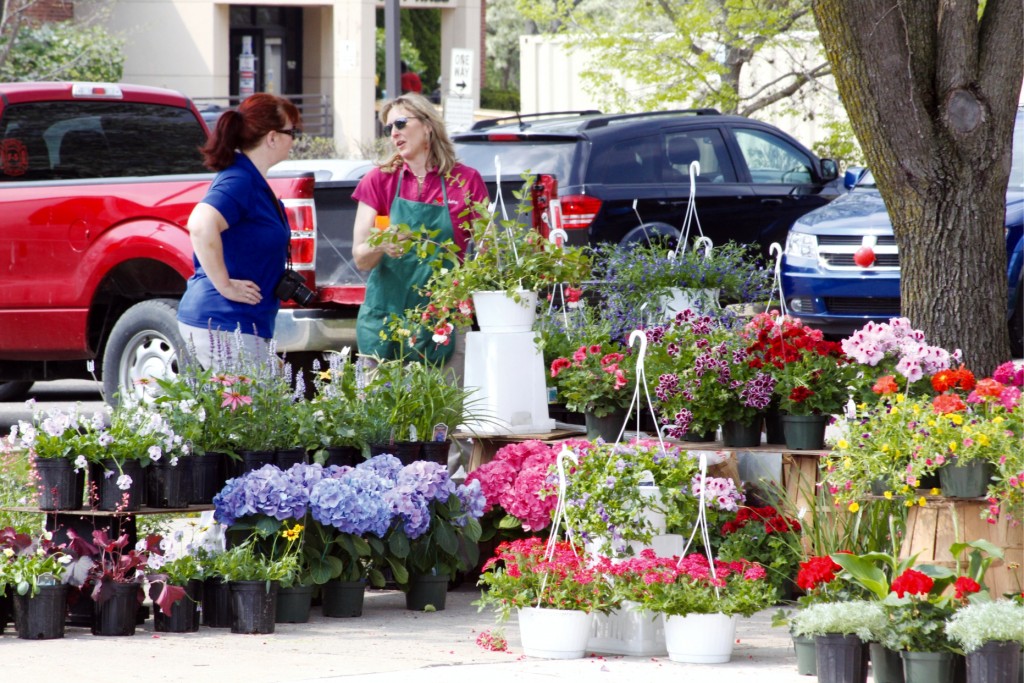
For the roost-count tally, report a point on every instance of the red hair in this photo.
(242, 129)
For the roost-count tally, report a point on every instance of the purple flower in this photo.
(472, 501)
(358, 502)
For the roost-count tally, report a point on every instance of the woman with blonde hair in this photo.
(420, 184)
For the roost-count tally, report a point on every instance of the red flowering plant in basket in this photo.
(521, 574)
(520, 488)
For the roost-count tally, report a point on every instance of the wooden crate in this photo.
(932, 529)
(483, 448)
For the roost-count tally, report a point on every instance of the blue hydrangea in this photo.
(357, 502)
(305, 475)
(412, 508)
(266, 491)
(385, 465)
(472, 501)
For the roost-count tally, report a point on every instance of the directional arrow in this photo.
(461, 86)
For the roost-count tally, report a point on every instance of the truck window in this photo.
(57, 140)
(705, 146)
(771, 159)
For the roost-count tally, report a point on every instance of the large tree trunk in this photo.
(931, 92)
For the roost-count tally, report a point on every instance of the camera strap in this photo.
(284, 221)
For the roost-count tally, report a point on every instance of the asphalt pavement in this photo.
(387, 643)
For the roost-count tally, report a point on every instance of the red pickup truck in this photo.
(96, 185)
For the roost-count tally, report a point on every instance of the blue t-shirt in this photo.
(255, 248)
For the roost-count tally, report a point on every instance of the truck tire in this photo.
(13, 391)
(143, 345)
(663, 233)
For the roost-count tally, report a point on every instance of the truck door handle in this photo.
(772, 202)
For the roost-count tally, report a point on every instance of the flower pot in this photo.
(498, 312)
(207, 477)
(164, 485)
(60, 486)
(252, 460)
(969, 480)
(994, 662)
(342, 599)
(805, 432)
(6, 609)
(841, 658)
(700, 638)
(184, 615)
(773, 430)
(426, 589)
(286, 457)
(406, 451)
(679, 299)
(742, 434)
(554, 633)
(806, 656)
(607, 427)
(41, 617)
(104, 477)
(886, 664)
(116, 615)
(253, 606)
(342, 456)
(928, 667)
(293, 604)
(216, 603)
(700, 437)
(436, 451)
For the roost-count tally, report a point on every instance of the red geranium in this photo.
(948, 403)
(959, 378)
(964, 586)
(913, 582)
(816, 571)
(886, 385)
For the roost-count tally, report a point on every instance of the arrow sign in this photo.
(460, 76)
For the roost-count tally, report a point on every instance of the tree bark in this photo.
(931, 91)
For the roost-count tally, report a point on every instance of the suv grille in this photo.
(846, 260)
(840, 304)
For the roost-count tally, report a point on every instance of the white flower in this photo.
(64, 559)
(81, 463)
(155, 453)
(105, 439)
(155, 561)
(107, 474)
(174, 461)
(124, 482)
(8, 552)
(201, 415)
(47, 536)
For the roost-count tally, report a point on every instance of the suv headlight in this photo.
(801, 245)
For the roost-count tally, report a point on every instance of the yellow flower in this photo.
(956, 418)
(900, 398)
(842, 443)
(952, 446)
(885, 448)
(934, 491)
(326, 375)
(847, 462)
(983, 440)
(931, 423)
(888, 495)
(293, 533)
(998, 419)
(922, 501)
(853, 507)
(909, 502)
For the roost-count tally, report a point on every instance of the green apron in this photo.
(393, 286)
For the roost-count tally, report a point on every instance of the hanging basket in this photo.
(499, 312)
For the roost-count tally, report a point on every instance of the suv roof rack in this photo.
(491, 123)
(605, 120)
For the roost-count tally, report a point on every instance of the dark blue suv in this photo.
(825, 286)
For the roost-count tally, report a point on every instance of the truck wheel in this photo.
(651, 233)
(143, 345)
(12, 391)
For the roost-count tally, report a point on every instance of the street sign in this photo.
(460, 83)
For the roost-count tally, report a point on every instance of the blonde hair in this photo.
(441, 151)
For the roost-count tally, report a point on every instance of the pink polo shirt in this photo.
(464, 185)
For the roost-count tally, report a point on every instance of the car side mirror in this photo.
(853, 176)
(829, 169)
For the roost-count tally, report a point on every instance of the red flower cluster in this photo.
(768, 516)
(777, 340)
(816, 571)
(964, 586)
(948, 403)
(800, 394)
(886, 385)
(960, 378)
(913, 582)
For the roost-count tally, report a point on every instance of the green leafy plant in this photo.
(764, 535)
(597, 378)
(27, 563)
(252, 561)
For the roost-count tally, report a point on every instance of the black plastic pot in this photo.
(60, 486)
(841, 658)
(252, 460)
(343, 598)
(110, 497)
(165, 484)
(427, 589)
(207, 477)
(342, 456)
(253, 606)
(184, 616)
(115, 616)
(286, 457)
(216, 603)
(41, 617)
(436, 451)
(994, 662)
(293, 604)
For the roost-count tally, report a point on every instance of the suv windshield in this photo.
(516, 157)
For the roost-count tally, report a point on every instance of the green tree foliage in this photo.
(685, 52)
(59, 51)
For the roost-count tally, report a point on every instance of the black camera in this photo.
(292, 286)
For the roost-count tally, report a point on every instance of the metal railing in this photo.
(317, 115)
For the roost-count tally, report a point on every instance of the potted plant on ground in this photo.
(254, 575)
(32, 572)
(841, 632)
(554, 590)
(766, 536)
(183, 570)
(990, 633)
(700, 602)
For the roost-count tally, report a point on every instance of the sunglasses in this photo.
(400, 124)
(293, 133)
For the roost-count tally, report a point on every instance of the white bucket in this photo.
(499, 312)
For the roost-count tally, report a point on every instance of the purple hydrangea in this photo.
(385, 465)
(428, 479)
(266, 491)
(472, 500)
(412, 508)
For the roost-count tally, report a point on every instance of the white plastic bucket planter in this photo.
(499, 312)
(554, 633)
